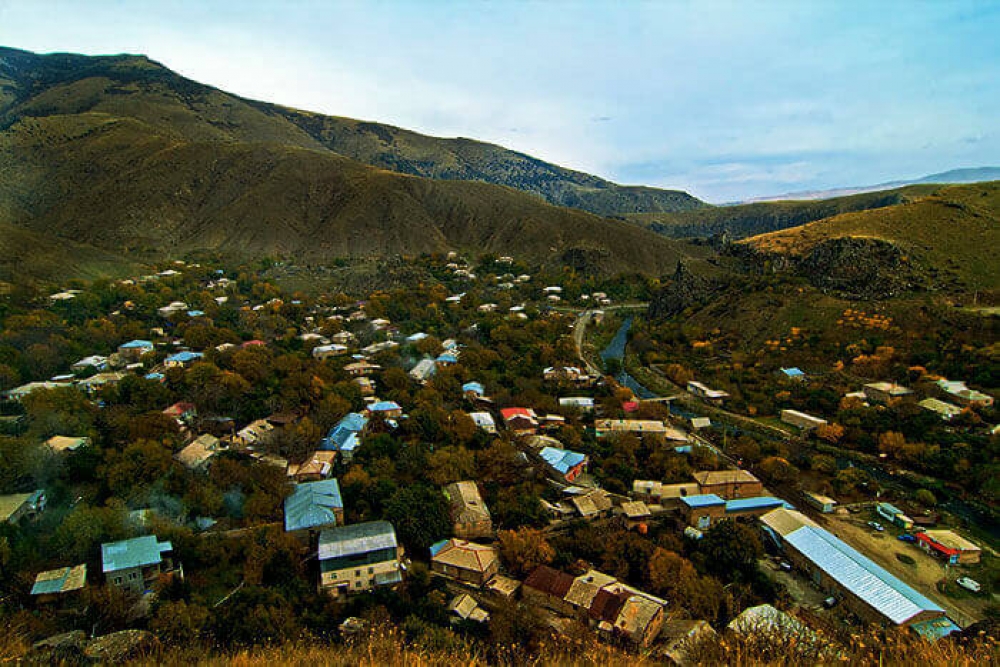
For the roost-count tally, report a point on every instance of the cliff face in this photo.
(682, 290)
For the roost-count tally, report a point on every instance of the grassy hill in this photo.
(133, 86)
(124, 156)
(952, 230)
(745, 220)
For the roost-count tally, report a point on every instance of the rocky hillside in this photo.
(134, 86)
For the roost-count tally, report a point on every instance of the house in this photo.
(53, 585)
(713, 396)
(95, 382)
(473, 390)
(822, 503)
(359, 368)
(182, 411)
(636, 513)
(484, 420)
(314, 505)
(416, 338)
(466, 608)
(680, 636)
(615, 609)
(134, 349)
(469, 515)
(703, 510)
(342, 337)
(247, 344)
(742, 507)
(567, 464)
(18, 506)
(62, 443)
(318, 466)
(953, 547)
(322, 352)
(838, 569)
(17, 393)
(640, 427)
(698, 423)
(134, 565)
(345, 437)
(801, 420)
(945, 411)
(503, 588)
(424, 370)
(385, 409)
(365, 385)
(254, 433)
(181, 359)
(521, 421)
(664, 494)
(197, 455)
(728, 484)
(465, 561)
(593, 504)
(567, 374)
(886, 392)
(446, 359)
(95, 362)
(893, 515)
(792, 373)
(958, 391)
(581, 403)
(359, 557)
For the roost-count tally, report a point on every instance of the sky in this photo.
(727, 100)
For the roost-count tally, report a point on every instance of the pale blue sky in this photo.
(727, 100)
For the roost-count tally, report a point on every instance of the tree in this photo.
(731, 549)
(831, 432)
(891, 443)
(925, 497)
(524, 549)
(450, 464)
(420, 515)
(179, 622)
(776, 470)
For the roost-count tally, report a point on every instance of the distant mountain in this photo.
(125, 158)
(744, 220)
(968, 175)
(947, 239)
(223, 115)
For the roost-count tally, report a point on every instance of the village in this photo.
(457, 441)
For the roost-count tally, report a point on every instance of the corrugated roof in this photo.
(464, 554)
(891, 597)
(137, 552)
(313, 504)
(703, 500)
(784, 521)
(713, 477)
(561, 459)
(750, 504)
(358, 538)
(549, 580)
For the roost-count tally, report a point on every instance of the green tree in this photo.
(420, 515)
(731, 550)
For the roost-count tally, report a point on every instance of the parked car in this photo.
(785, 565)
(830, 602)
(906, 537)
(876, 526)
(969, 584)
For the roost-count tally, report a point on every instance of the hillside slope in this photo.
(951, 234)
(134, 86)
(745, 220)
(125, 186)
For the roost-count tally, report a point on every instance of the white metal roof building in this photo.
(888, 596)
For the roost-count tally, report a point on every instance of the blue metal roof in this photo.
(891, 597)
(185, 356)
(476, 387)
(384, 406)
(356, 539)
(748, 504)
(154, 376)
(195, 313)
(345, 432)
(935, 628)
(137, 343)
(891, 509)
(703, 500)
(137, 552)
(438, 546)
(312, 504)
(447, 358)
(793, 372)
(562, 460)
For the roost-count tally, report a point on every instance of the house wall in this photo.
(355, 579)
(462, 574)
(134, 579)
(732, 490)
(470, 530)
(703, 517)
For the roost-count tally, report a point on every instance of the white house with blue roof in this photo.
(181, 359)
(314, 505)
(134, 565)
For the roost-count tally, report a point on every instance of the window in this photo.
(371, 570)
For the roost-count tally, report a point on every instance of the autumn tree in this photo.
(831, 432)
(524, 549)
